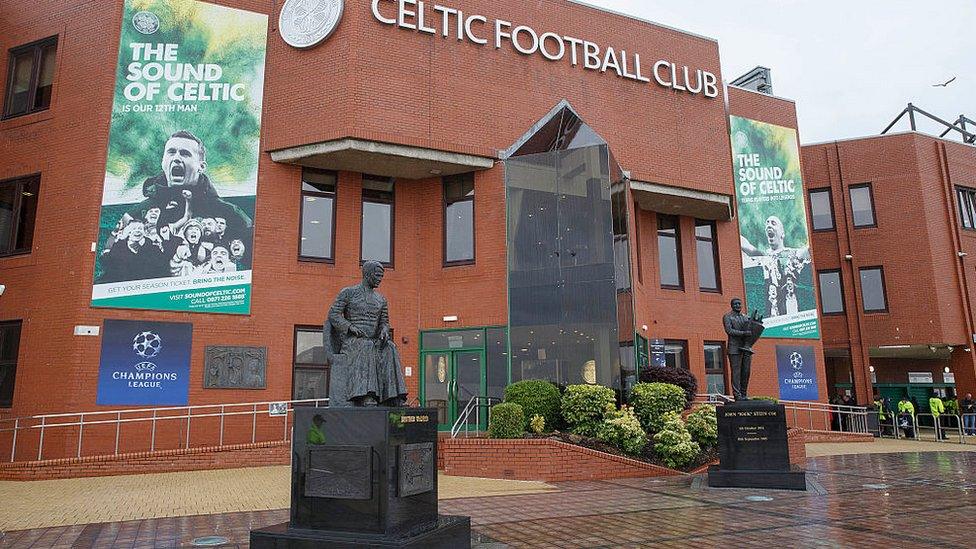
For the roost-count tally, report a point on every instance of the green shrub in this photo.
(675, 376)
(585, 406)
(673, 443)
(652, 400)
(507, 421)
(774, 400)
(536, 396)
(537, 424)
(703, 426)
(623, 430)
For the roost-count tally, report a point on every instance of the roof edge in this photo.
(642, 20)
(880, 136)
(787, 99)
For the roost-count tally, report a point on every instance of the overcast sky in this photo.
(850, 65)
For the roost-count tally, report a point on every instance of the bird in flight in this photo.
(950, 81)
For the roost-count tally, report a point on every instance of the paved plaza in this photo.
(913, 499)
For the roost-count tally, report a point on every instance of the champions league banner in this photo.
(775, 240)
(177, 217)
(144, 363)
(797, 373)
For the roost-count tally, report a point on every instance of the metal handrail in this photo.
(939, 427)
(473, 405)
(93, 418)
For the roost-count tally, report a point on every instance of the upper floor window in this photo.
(831, 292)
(873, 292)
(18, 207)
(862, 205)
(967, 207)
(459, 219)
(669, 251)
(706, 248)
(9, 349)
(821, 210)
(378, 221)
(676, 353)
(318, 214)
(30, 77)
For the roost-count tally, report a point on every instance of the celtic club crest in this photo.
(305, 23)
(145, 22)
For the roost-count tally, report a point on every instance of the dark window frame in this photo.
(726, 370)
(884, 290)
(14, 362)
(444, 205)
(966, 198)
(715, 255)
(686, 363)
(295, 365)
(37, 48)
(840, 282)
(677, 249)
(18, 211)
(334, 195)
(830, 203)
(362, 217)
(874, 209)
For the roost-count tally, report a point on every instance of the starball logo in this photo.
(145, 345)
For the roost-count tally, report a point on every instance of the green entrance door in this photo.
(451, 379)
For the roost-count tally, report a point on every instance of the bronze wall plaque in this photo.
(235, 367)
(416, 468)
(339, 472)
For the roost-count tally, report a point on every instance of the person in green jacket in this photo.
(937, 408)
(906, 414)
(315, 434)
(879, 404)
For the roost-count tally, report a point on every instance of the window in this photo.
(377, 229)
(18, 207)
(30, 78)
(310, 379)
(669, 251)
(873, 290)
(862, 205)
(715, 368)
(9, 348)
(459, 219)
(831, 292)
(318, 215)
(967, 207)
(821, 210)
(706, 247)
(676, 353)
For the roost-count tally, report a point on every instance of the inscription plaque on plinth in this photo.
(340, 472)
(754, 448)
(416, 468)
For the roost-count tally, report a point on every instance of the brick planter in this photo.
(539, 459)
(193, 459)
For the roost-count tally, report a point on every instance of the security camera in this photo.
(3, 288)
(961, 254)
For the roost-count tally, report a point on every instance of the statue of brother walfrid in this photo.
(365, 364)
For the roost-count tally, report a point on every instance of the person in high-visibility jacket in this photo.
(879, 404)
(906, 413)
(938, 408)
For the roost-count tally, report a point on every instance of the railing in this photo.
(113, 432)
(812, 416)
(474, 406)
(939, 426)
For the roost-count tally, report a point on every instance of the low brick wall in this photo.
(798, 446)
(193, 459)
(834, 436)
(538, 459)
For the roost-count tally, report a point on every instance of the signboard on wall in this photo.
(177, 216)
(797, 369)
(774, 236)
(144, 363)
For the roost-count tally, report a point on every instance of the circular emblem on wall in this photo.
(305, 23)
(145, 22)
(147, 344)
(796, 360)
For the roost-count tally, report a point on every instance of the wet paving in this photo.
(918, 500)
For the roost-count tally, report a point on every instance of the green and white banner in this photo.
(177, 217)
(775, 239)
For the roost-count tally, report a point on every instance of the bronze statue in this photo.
(743, 333)
(365, 364)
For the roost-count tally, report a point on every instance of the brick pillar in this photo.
(963, 365)
(861, 373)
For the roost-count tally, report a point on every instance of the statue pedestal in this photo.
(754, 449)
(372, 483)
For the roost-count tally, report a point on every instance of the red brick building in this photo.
(432, 120)
(893, 239)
